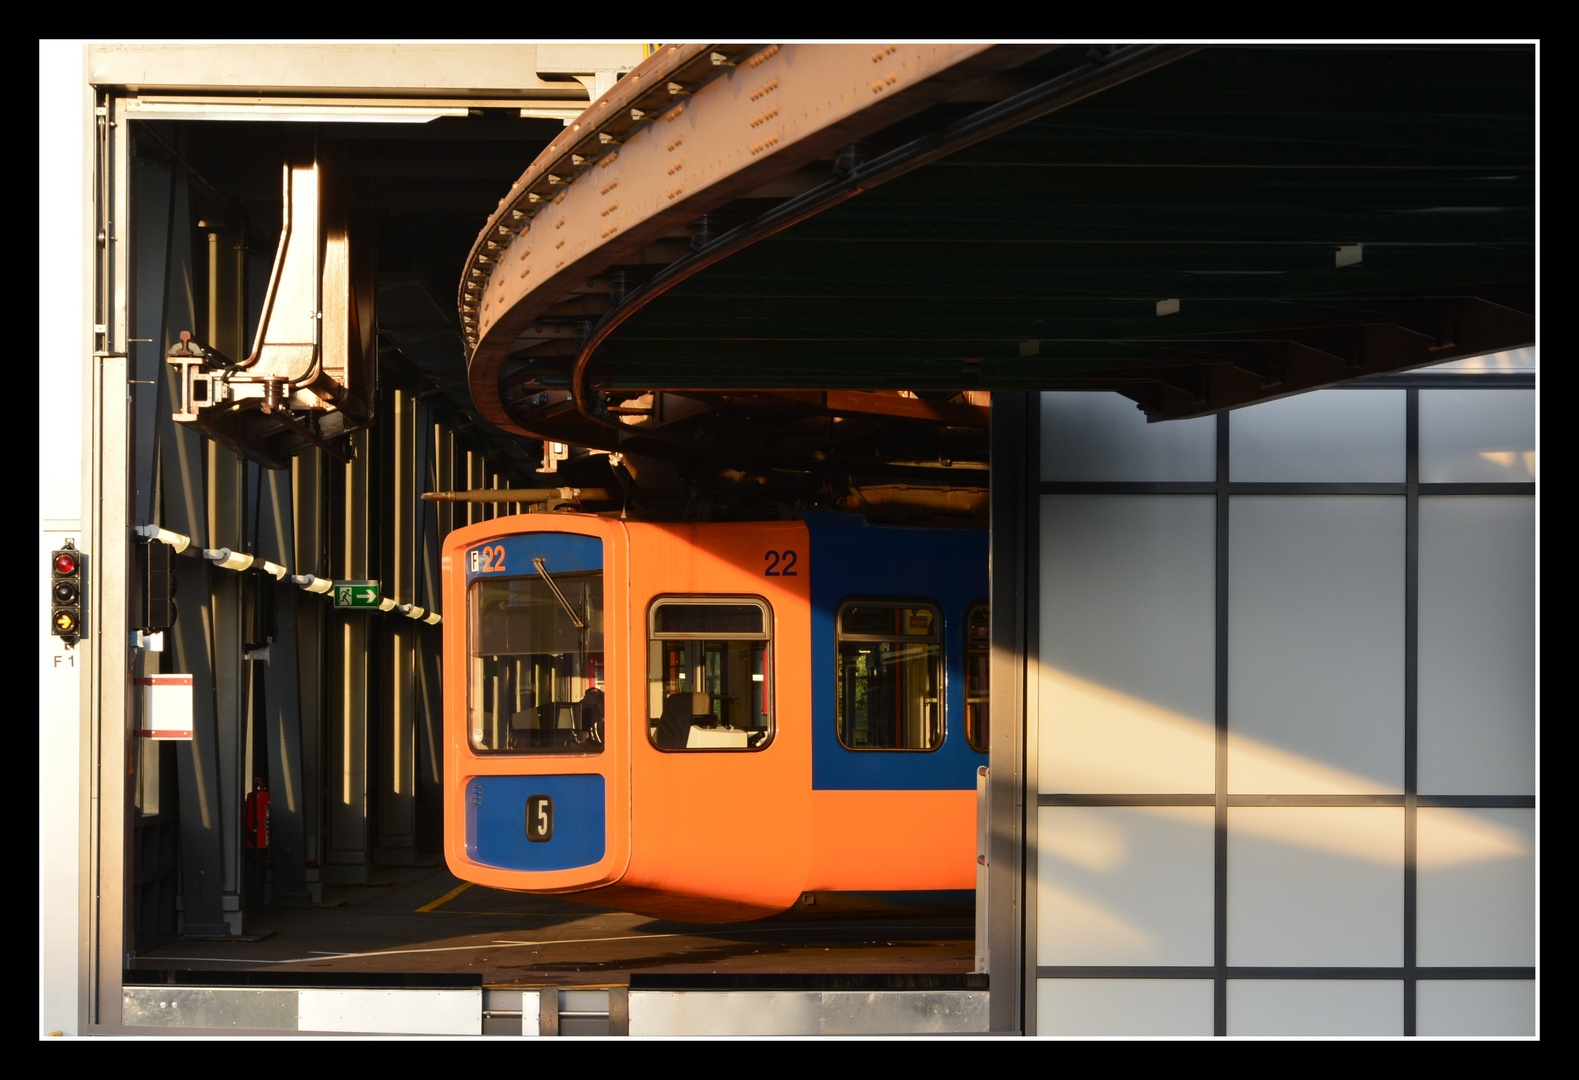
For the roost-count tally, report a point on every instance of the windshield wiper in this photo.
(574, 618)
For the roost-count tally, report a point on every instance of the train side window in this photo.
(978, 657)
(890, 675)
(709, 665)
(535, 645)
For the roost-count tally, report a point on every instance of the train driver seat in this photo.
(524, 721)
(590, 715)
(674, 726)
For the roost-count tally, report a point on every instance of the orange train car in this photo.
(709, 721)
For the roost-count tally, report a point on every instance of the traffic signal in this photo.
(65, 593)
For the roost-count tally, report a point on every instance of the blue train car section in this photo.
(886, 601)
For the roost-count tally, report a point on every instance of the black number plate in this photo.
(539, 818)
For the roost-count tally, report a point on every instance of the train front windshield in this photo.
(536, 658)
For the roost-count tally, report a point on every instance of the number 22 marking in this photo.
(773, 570)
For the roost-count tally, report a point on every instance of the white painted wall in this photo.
(64, 342)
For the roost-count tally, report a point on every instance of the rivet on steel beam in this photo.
(763, 56)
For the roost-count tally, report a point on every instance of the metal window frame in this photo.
(769, 694)
(473, 616)
(971, 609)
(939, 637)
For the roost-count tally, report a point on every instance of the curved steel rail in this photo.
(691, 128)
(1115, 68)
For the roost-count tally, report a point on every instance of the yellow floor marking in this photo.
(447, 897)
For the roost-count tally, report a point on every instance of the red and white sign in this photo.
(167, 707)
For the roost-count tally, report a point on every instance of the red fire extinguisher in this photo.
(255, 818)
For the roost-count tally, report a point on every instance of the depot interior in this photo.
(365, 770)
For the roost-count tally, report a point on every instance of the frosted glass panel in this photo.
(1477, 436)
(1124, 885)
(1315, 886)
(1477, 645)
(1103, 436)
(1316, 644)
(1123, 1007)
(1475, 1007)
(1315, 1007)
(1476, 900)
(1501, 363)
(1126, 692)
(1327, 436)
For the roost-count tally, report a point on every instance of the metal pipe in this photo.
(1066, 89)
(274, 277)
(522, 495)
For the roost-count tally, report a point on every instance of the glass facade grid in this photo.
(1353, 865)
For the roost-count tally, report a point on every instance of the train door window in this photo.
(535, 683)
(709, 661)
(978, 657)
(890, 675)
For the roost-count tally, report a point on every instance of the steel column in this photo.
(282, 700)
(1014, 419)
(397, 747)
(184, 509)
(226, 521)
(105, 663)
(346, 855)
(311, 556)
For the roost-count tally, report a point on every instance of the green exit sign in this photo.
(356, 594)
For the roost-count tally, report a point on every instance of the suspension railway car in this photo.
(715, 722)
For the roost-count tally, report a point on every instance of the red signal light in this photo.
(66, 590)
